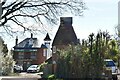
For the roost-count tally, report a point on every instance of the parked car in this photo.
(18, 68)
(33, 69)
(109, 63)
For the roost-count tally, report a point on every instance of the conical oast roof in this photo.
(65, 34)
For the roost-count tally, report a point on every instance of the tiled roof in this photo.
(43, 46)
(27, 43)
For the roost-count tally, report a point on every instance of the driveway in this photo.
(22, 76)
(30, 75)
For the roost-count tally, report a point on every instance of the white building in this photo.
(47, 41)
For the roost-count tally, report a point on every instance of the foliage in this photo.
(7, 65)
(118, 42)
(3, 46)
(6, 59)
(23, 12)
(75, 64)
(86, 60)
(51, 76)
(42, 66)
(113, 50)
(5, 49)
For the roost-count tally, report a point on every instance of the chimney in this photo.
(16, 40)
(31, 35)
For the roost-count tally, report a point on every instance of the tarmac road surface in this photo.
(22, 76)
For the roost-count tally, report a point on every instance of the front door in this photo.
(26, 64)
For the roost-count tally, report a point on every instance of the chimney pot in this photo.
(16, 42)
(31, 35)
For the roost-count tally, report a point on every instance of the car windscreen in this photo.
(33, 66)
(109, 63)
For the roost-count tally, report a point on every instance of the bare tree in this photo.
(39, 12)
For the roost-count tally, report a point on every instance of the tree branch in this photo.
(8, 5)
(45, 10)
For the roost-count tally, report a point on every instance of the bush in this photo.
(73, 63)
(85, 60)
(42, 66)
(51, 76)
(7, 65)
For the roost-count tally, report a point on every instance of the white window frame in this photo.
(21, 55)
(54, 49)
(45, 52)
(33, 55)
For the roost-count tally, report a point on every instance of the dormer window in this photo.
(20, 55)
(31, 42)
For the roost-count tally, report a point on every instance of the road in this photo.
(31, 75)
(118, 74)
(118, 77)
(22, 76)
(27, 76)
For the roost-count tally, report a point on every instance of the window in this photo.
(44, 52)
(20, 63)
(109, 63)
(33, 55)
(20, 55)
(54, 49)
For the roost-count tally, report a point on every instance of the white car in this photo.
(18, 68)
(111, 65)
(33, 68)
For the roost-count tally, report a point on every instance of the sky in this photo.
(100, 15)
